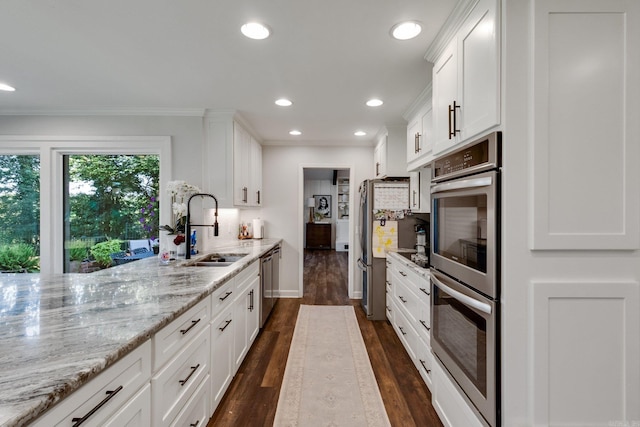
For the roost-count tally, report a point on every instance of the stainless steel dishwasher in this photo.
(269, 282)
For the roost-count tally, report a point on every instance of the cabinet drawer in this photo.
(407, 301)
(424, 321)
(176, 382)
(113, 388)
(424, 362)
(196, 412)
(135, 413)
(406, 332)
(170, 339)
(222, 297)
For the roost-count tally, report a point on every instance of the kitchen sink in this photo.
(216, 260)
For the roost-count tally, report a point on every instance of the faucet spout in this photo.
(189, 225)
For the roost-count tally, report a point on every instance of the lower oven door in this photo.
(463, 337)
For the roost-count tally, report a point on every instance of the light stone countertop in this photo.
(59, 331)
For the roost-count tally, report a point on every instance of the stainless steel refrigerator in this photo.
(383, 202)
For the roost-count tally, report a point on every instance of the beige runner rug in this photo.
(328, 380)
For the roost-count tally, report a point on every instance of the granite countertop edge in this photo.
(20, 405)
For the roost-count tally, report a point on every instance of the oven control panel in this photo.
(478, 156)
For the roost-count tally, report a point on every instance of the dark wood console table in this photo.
(318, 236)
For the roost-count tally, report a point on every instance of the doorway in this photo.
(326, 229)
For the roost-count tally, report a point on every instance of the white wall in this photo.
(186, 133)
(283, 200)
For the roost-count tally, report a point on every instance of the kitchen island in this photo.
(58, 332)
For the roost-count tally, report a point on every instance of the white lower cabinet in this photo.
(452, 408)
(196, 413)
(194, 361)
(135, 413)
(245, 313)
(112, 395)
(408, 298)
(221, 355)
(175, 383)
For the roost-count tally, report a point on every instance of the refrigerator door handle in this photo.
(361, 265)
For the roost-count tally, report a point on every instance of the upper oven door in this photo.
(464, 233)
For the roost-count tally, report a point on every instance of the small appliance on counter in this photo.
(421, 257)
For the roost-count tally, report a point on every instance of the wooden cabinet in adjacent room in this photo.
(318, 235)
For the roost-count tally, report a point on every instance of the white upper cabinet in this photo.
(466, 76)
(388, 155)
(232, 162)
(420, 136)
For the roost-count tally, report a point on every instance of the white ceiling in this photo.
(184, 56)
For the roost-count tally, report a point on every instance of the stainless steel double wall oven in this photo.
(465, 270)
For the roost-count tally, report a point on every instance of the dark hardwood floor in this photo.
(253, 395)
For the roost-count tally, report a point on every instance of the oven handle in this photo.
(465, 183)
(466, 300)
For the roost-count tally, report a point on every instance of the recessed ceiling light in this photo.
(6, 87)
(255, 30)
(283, 102)
(295, 132)
(406, 30)
(359, 133)
(374, 102)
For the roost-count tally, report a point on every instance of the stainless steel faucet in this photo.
(188, 225)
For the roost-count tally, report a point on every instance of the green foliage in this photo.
(120, 186)
(78, 249)
(19, 257)
(20, 199)
(102, 251)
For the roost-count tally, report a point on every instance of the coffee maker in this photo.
(421, 257)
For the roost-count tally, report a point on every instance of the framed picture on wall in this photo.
(323, 205)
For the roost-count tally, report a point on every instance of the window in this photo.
(109, 198)
(66, 195)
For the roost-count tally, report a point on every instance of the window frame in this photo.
(52, 150)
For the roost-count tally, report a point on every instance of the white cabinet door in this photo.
(445, 91)
(241, 157)
(414, 132)
(255, 174)
(420, 190)
(380, 157)
(426, 136)
(221, 355)
(479, 71)
(253, 311)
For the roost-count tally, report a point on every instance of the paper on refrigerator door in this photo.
(385, 237)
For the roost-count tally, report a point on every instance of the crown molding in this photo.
(174, 112)
(449, 29)
(420, 101)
